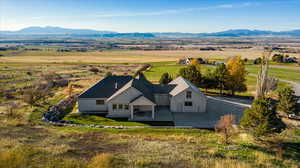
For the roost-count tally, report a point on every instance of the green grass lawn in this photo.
(98, 120)
(281, 73)
(158, 68)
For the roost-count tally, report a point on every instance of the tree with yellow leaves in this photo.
(237, 75)
(195, 62)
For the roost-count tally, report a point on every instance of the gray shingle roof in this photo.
(181, 85)
(106, 87)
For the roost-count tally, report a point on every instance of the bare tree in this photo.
(225, 126)
(35, 94)
(262, 77)
(11, 111)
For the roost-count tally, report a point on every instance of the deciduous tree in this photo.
(225, 126)
(237, 75)
(192, 74)
(221, 76)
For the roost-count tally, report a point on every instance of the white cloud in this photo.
(174, 11)
(225, 6)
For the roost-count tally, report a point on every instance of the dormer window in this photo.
(188, 94)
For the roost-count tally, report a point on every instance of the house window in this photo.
(188, 94)
(114, 106)
(99, 102)
(126, 107)
(188, 103)
(120, 106)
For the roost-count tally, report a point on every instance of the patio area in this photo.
(160, 114)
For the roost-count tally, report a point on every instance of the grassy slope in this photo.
(98, 120)
(47, 146)
(159, 148)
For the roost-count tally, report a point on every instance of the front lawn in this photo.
(98, 120)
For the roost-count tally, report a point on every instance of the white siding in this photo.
(123, 98)
(89, 105)
(198, 101)
(162, 99)
(145, 108)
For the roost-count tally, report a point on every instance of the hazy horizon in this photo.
(190, 16)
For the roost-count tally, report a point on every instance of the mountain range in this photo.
(50, 30)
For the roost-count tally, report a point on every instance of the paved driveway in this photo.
(216, 107)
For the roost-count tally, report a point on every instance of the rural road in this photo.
(296, 86)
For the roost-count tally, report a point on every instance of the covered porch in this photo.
(142, 112)
(142, 108)
(160, 114)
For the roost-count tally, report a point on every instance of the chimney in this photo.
(116, 85)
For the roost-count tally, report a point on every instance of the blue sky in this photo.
(152, 15)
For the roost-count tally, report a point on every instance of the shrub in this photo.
(104, 160)
(257, 61)
(261, 118)
(225, 126)
(94, 70)
(165, 78)
(14, 158)
(33, 95)
(11, 111)
(287, 100)
(278, 58)
(107, 74)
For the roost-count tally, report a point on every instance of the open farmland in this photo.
(127, 56)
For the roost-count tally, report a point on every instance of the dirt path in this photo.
(285, 67)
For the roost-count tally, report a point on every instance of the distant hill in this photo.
(233, 33)
(88, 33)
(55, 30)
(129, 35)
(50, 31)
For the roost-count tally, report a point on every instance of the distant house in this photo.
(188, 60)
(185, 61)
(128, 97)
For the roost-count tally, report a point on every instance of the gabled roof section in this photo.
(107, 87)
(163, 89)
(181, 85)
(140, 99)
(140, 84)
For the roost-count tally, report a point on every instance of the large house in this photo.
(128, 97)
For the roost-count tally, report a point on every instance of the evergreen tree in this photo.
(165, 78)
(221, 77)
(192, 74)
(237, 75)
(209, 80)
(287, 100)
(261, 118)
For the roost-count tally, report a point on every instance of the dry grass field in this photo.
(128, 56)
(26, 141)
